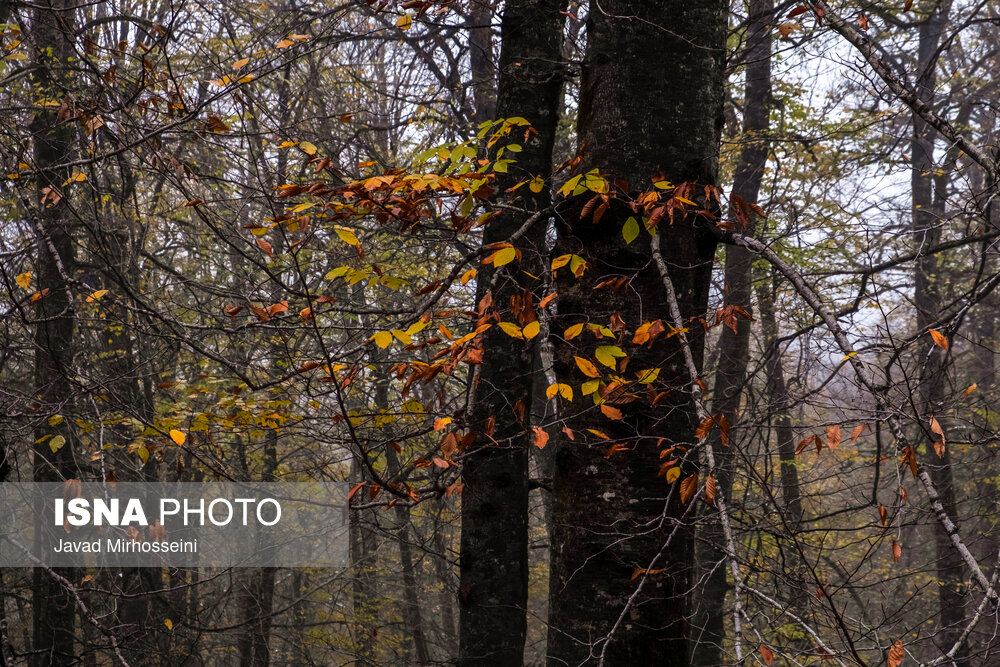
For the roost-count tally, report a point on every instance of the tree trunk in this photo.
(54, 613)
(927, 216)
(734, 341)
(651, 101)
(493, 591)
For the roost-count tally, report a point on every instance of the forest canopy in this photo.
(639, 332)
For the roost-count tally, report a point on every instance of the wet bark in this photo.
(613, 514)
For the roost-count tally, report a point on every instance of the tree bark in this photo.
(54, 613)
(493, 591)
(651, 101)
(927, 218)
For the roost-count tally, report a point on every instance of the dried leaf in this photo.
(688, 487)
(710, 490)
(767, 655)
(833, 436)
(897, 552)
(541, 437)
(896, 653)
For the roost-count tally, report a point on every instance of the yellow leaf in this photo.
(504, 256)
(308, 148)
(169, 624)
(511, 330)
(563, 390)
(56, 443)
(573, 331)
(468, 275)
(23, 280)
(561, 261)
(284, 44)
(383, 339)
(531, 329)
(96, 296)
(178, 436)
(55, 420)
(673, 474)
(648, 376)
(404, 22)
(536, 185)
(347, 235)
(589, 387)
(587, 368)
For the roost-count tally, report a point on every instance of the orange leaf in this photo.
(939, 339)
(767, 655)
(710, 490)
(882, 514)
(833, 436)
(897, 553)
(587, 368)
(541, 437)
(896, 651)
(688, 487)
(611, 412)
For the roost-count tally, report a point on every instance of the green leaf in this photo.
(607, 354)
(630, 230)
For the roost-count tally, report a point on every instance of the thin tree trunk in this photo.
(493, 591)
(613, 514)
(734, 341)
(927, 216)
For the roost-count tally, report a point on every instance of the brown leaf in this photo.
(857, 431)
(833, 436)
(801, 9)
(449, 445)
(896, 651)
(939, 339)
(688, 487)
(938, 431)
(710, 490)
(882, 514)
(266, 247)
(767, 655)
(354, 490)
(704, 428)
(907, 5)
(897, 552)
(568, 432)
(803, 444)
(863, 22)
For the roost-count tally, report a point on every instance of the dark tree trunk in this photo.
(927, 215)
(734, 345)
(651, 101)
(54, 613)
(484, 85)
(493, 591)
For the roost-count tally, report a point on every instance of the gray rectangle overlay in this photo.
(178, 524)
